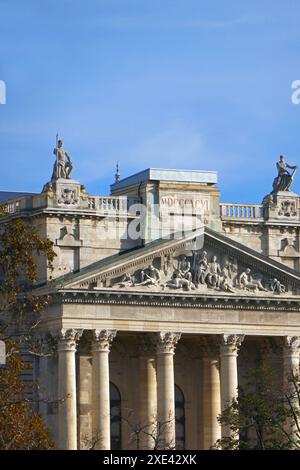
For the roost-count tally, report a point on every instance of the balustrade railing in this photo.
(241, 211)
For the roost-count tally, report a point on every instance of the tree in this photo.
(143, 434)
(263, 417)
(20, 426)
(20, 244)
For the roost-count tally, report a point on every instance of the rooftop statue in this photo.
(284, 179)
(63, 166)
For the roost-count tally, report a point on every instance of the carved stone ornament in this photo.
(102, 339)
(68, 196)
(166, 342)
(67, 339)
(284, 179)
(232, 342)
(146, 345)
(287, 209)
(208, 346)
(200, 271)
(63, 166)
(292, 343)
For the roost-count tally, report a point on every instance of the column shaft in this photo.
(211, 401)
(165, 389)
(67, 412)
(101, 398)
(147, 407)
(229, 373)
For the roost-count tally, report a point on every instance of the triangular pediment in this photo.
(201, 262)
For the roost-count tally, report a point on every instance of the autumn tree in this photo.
(21, 427)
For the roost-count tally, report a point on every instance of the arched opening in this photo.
(179, 419)
(115, 417)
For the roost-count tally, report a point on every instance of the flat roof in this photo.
(164, 174)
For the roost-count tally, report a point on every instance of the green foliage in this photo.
(263, 417)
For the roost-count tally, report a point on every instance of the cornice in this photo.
(181, 300)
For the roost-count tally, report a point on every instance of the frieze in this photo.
(199, 271)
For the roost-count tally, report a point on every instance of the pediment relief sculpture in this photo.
(201, 271)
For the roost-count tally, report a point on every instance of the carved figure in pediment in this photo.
(127, 280)
(179, 282)
(201, 268)
(247, 282)
(213, 276)
(166, 264)
(149, 277)
(184, 267)
(227, 274)
(277, 287)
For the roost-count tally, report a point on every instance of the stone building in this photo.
(161, 298)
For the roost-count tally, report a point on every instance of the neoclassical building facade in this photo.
(161, 298)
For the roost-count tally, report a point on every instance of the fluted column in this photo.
(291, 352)
(67, 413)
(211, 391)
(147, 406)
(102, 340)
(229, 372)
(165, 388)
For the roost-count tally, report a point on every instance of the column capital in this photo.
(291, 344)
(166, 342)
(208, 346)
(231, 342)
(146, 344)
(67, 339)
(102, 339)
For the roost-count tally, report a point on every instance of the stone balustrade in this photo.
(15, 205)
(117, 204)
(237, 211)
(99, 204)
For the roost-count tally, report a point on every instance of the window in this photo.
(179, 419)
(115, 417)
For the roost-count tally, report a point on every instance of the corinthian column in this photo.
(229, 372)
(102, 340)
(165, 388)
(67, 413)
(147, 409)
(211, 392)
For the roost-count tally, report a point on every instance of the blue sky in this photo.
(162, 83)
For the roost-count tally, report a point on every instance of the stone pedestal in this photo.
(283, 205)
(101, 399)
(65, 192)
(165, 388)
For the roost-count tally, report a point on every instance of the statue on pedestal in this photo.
(63, 166)
(284, 179)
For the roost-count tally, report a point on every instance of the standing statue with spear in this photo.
(63, 165)
(284, 179)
